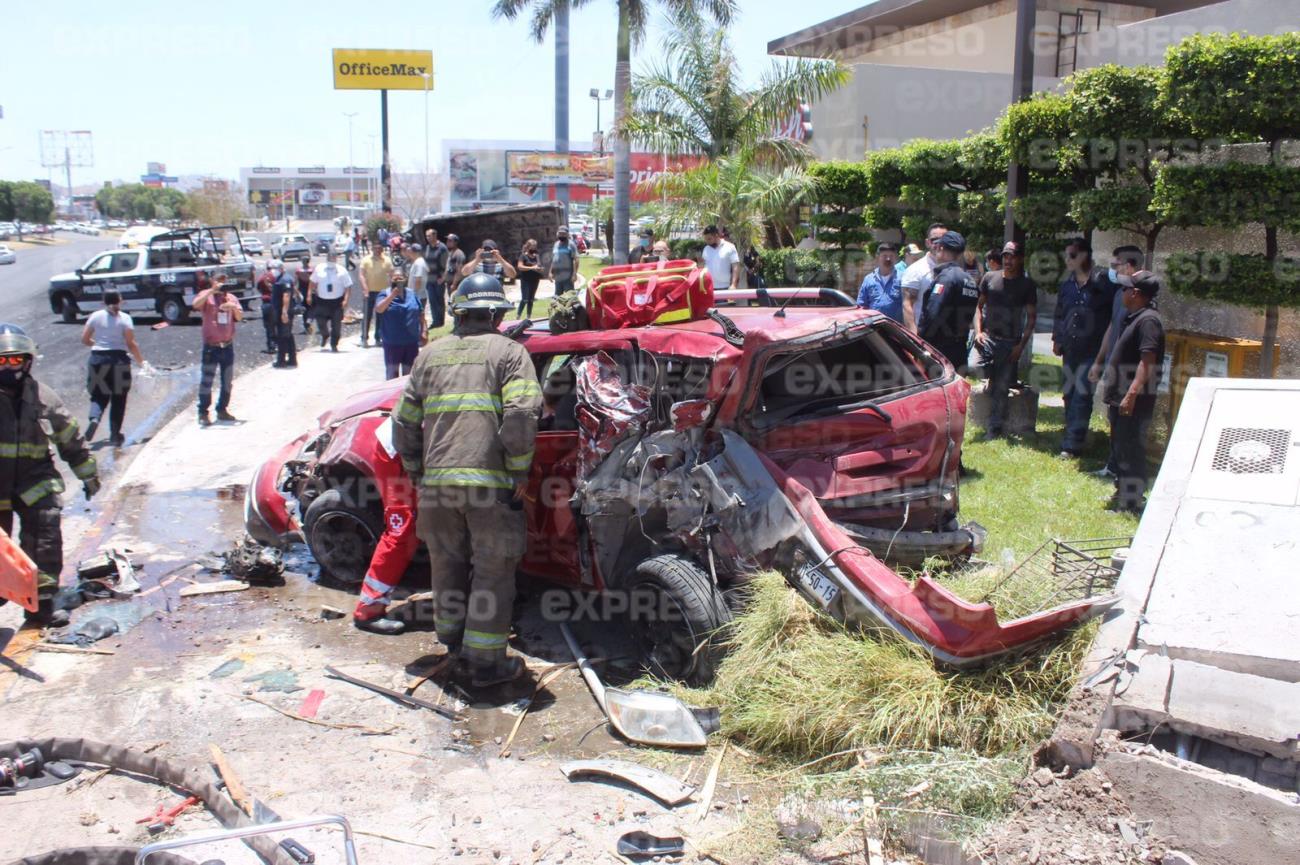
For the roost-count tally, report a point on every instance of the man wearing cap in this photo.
(911, 255)
(1004, 324)
(564, 262)
(882, 289)
(948, 304)
(1129, 387)
(327, 295)
(488, 259)
(641, 252)
(918, 276)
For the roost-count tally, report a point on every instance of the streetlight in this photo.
(351, 191)
(594, 93)
(428, 85)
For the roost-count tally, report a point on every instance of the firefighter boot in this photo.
(46, 615)
(380, 625)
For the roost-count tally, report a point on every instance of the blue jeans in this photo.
(437, 303)
(214, 358)
(1078, 393)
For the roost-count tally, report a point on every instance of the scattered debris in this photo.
(405, 699)
(643, 845)
(71, 650)
(1177, 857)
(311, 704)
(234, 665)
(327, 612)
(234, 786)
(283, 681)
(644, 717)
(541, 683)
(710, 783)
(111, 570)
(803, 829)
(216, 588)
(87, 631)
(665, 788)
(163, 816)
(255, 563)
(332, 724)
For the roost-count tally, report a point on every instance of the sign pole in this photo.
(385, 176)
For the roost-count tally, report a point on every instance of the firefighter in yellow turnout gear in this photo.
(32, 418)
(465, 428)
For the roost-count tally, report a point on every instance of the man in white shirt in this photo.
(328, 294)
(721, 259)
(918, 276)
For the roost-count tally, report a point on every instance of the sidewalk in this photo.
(188, 671)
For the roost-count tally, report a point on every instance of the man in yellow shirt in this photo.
(376, 277)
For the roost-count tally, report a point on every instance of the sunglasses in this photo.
(13, 360)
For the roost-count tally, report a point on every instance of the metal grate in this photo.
(1251, 451)
(1058, 572)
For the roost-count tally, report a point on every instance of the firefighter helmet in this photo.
(480, 291)
(14, 340)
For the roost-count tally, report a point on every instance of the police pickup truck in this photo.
(161, 276)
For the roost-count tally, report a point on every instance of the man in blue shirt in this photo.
(401, 324)
(882, 289)
(1083, 308)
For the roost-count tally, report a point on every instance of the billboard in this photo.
(382, 69)
(531, 168)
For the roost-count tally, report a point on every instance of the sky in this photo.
(209, 88)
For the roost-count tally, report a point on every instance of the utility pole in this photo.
(385, 176)
(562, 94)
(1022, 86)
(352, 192)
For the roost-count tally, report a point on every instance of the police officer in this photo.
(949, 302)
(464, 428)
(30, 483)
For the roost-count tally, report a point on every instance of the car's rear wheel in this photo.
(341, 535)
(69, 310)
(676, 611)
(175, 310)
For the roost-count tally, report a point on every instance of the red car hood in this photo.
(378, 397)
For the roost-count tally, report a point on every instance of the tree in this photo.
(32, 202)
(693, 101)
(842, 190)
(632, 18)
(211, 205)
(1243, 90)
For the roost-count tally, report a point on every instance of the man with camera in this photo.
(221, 312)
(488, 259)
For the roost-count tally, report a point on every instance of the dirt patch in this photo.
(1077, 819)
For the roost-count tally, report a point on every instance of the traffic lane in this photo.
(175, 351)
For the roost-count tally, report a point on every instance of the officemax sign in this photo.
(380, 69)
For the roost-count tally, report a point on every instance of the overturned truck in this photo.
(675, 460)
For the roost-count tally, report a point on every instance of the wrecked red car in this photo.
(675, 460)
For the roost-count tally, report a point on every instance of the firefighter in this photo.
(32, 417)
(464, 428)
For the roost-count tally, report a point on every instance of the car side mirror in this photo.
(690, 414)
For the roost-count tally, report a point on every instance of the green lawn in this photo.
(1024, 494)
(590, 265)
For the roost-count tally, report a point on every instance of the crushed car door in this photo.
(861, 417)
(553, 531)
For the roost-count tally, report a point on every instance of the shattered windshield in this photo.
(868, 365)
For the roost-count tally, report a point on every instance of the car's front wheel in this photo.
(341, 535)
(676, 611)
(69, 311)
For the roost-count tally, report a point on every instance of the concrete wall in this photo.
(884, 106)
(1145, 42)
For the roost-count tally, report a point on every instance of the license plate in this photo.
(819, 585)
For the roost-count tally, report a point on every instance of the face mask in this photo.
(645, 241)
(1113, 274)
(12, 378)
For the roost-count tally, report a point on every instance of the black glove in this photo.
(90, 487)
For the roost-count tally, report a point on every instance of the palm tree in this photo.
(632, 17)
(692, 100)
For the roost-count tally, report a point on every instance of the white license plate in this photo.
(820, 585)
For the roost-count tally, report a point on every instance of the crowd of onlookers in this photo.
(1105, 328)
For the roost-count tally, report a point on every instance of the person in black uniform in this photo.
(950, 302)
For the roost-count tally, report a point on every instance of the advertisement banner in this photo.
(314, 195)
(382, 69)
(549, 169)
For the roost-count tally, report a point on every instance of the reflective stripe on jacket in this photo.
(468, 415)
(30, 423)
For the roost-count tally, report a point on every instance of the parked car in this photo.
(675, 459)
(7, 255)
(292, 246)
(7, 230)
(252, 245)
(321, 244)
(138, 235)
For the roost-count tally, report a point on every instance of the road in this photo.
(61, 363)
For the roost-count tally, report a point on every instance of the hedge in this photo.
(1243, 280)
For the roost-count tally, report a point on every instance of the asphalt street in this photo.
(174, 351)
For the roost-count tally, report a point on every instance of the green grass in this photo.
(590, 265)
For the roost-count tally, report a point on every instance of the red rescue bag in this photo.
(659, 292)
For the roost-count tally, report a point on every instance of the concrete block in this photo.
(1218, 819)
(1022, 411)
(1251, 713)
(1141, 695)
